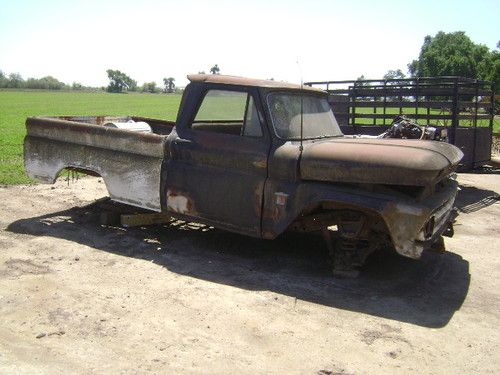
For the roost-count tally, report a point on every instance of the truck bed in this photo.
(129, 162)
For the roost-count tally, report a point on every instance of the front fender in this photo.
(404, 218)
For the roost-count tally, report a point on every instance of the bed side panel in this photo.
(130, 163)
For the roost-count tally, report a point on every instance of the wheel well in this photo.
(350, 219)
(78, 170)
(75, 172)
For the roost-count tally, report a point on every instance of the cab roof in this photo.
(243, 81)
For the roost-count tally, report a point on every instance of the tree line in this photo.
(121, 82)
(453, 54)
(16, 81)
(118, 82)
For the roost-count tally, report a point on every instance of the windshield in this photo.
(317, 117)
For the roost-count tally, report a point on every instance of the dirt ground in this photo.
(79, 297)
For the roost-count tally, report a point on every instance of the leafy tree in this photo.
(149, 87)
(120, 82)
(77, 86)
(215, 69)
(394, 74)
(360, 81)
(448, 54)
(44, 83)
(169, 84)
(454, 54)
(132, 85)
(491, 72)
(3, 79)
(489, 69)
(15, 81)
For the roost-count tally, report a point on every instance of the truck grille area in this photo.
(438, 219)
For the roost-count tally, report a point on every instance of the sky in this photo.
(77, 41)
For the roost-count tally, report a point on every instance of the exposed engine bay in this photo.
(404, 128)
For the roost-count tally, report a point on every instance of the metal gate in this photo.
(465, 107)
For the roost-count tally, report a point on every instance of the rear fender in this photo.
(130, 178)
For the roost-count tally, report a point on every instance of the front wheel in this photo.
(347, 255)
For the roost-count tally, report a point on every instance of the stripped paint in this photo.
(178, 203)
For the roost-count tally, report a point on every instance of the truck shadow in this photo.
(425, 292)
(471, 199)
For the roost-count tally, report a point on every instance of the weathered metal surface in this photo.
(130, 163)
(217, 177)
(260, 186)
(475, 144)
(406, 221)
(243, 81)
(379, 161)
(89, 134)
(403, 218)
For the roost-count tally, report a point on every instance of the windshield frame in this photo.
(318, 95)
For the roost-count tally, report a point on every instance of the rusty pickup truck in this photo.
(259, 158)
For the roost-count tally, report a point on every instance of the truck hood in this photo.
(378, 161)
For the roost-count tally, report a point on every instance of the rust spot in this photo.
(269, 235)
(280, 198)
(257, 198)
(180, 202)
(260, 163)
(272, 213)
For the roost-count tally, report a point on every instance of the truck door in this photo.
(218, 162)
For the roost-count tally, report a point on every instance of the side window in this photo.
(229, 112)
(251, 126)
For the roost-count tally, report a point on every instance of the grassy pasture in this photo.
(16, 106)
(409, 112)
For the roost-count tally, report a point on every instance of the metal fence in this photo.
(465, 107)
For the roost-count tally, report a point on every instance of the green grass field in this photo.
(411, 111)
(16, 106)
